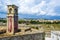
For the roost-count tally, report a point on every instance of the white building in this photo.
(55, 35)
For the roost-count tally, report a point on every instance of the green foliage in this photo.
(21, 21)
(4, 21)
(37, 22)
(34, 22)
(35, 27)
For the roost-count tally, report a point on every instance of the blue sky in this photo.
(49, 9)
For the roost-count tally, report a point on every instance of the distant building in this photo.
(55, 35)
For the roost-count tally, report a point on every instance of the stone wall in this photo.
(36, 36)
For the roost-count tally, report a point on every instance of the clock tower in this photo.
(12, 19)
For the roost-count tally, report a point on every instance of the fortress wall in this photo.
(36, 36)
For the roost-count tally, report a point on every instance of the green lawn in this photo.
(51, 26)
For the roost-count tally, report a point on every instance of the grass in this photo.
(51, 26)
(46, 27)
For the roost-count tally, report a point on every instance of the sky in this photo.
(49, 9)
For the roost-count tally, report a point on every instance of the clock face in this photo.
(10, 24)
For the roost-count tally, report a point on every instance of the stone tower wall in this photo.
(12, 19)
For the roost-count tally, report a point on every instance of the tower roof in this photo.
(14, 6)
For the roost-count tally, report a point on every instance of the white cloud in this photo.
(50, 8)
(30, 6)
(38, 8)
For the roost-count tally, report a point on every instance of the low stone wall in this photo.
(36, 36)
